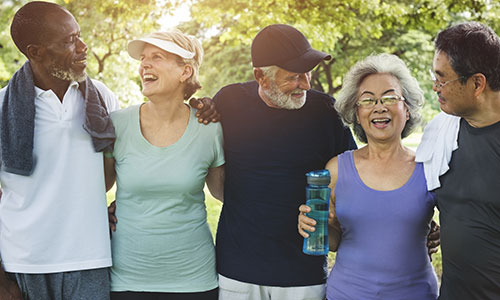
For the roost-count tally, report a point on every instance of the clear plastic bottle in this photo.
(318, 199)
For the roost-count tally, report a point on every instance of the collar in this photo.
(40, 92)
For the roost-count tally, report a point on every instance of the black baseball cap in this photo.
(286, 47)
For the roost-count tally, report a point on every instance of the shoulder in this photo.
(210, 128)
(2, 95)
(108, 96)
(333, 167)
(320, 98)
(124, 113)
(2, 92)
(103, 89)
(332, 164)
(236, 89)
(322, 103)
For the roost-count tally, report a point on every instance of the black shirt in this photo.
(268, 152)
(469, 204)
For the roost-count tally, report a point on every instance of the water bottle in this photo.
(318, 199)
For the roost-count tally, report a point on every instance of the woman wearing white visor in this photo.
(162, 247)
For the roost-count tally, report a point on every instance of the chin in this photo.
(446, 109)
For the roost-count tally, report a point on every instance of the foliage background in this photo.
(347, 29)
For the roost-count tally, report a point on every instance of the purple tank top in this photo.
(383, 253)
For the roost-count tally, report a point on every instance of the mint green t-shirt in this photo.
(162, 241)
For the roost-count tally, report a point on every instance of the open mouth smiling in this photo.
(149, 78)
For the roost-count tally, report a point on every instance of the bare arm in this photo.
(109, 172)
(334, 230)
(215, 182)
(8, 289)
(307, 224)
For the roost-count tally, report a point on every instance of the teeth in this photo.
(80, 61)
(380, 120)
(149, 77)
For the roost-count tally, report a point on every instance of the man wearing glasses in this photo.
(466, 71)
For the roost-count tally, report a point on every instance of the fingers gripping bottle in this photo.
(318, 199)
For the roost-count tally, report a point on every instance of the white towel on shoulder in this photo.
(438, 142)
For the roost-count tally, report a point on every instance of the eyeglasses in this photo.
(438, 83)
(386, 100)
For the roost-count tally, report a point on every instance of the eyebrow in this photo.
(155, 52)
(439, 73)
(368, 92)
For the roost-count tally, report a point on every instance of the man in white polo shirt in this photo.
(54, 242)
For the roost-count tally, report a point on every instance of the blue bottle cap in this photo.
(318, 177)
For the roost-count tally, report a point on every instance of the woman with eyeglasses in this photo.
(380, 203)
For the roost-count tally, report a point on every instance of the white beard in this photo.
(67, 75)
(285, 101)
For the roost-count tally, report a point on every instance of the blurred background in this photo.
(347, 29)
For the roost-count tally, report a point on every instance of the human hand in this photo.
(9, 290)
(433, 239)
(206, 110)
(112, 217)
(305, 223)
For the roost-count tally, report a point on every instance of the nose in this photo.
(379, 107)
(81, 46)
(145, 64)
(305, 81)
(435, 87)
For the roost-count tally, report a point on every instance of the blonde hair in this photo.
(191, 44)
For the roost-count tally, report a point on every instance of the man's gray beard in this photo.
(67, 75)
(281, 100)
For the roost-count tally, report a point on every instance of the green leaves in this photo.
(348, 30)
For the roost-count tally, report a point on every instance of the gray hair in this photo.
(346, 104)
(269, 71)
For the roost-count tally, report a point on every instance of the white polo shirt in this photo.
(56, 219)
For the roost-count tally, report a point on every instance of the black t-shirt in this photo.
(268, 151)
(469, 204)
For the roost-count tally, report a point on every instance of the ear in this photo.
(357, 117)
(187, 72)
(261, 78)
(34, 52)
(479, 81)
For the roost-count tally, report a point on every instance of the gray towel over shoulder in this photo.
(18, 121)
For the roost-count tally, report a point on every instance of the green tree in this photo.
(348, 30)
(106, 27)
(10, 58)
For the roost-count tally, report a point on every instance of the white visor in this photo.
(135, 47)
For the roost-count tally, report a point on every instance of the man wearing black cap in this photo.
(275, 130)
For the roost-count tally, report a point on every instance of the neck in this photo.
(385, 150)
(48, 82)
(165, 111)
(488, 111)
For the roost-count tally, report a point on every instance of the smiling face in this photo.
(161, 73)
(288, 89)
(65, 54)
(381, 122)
